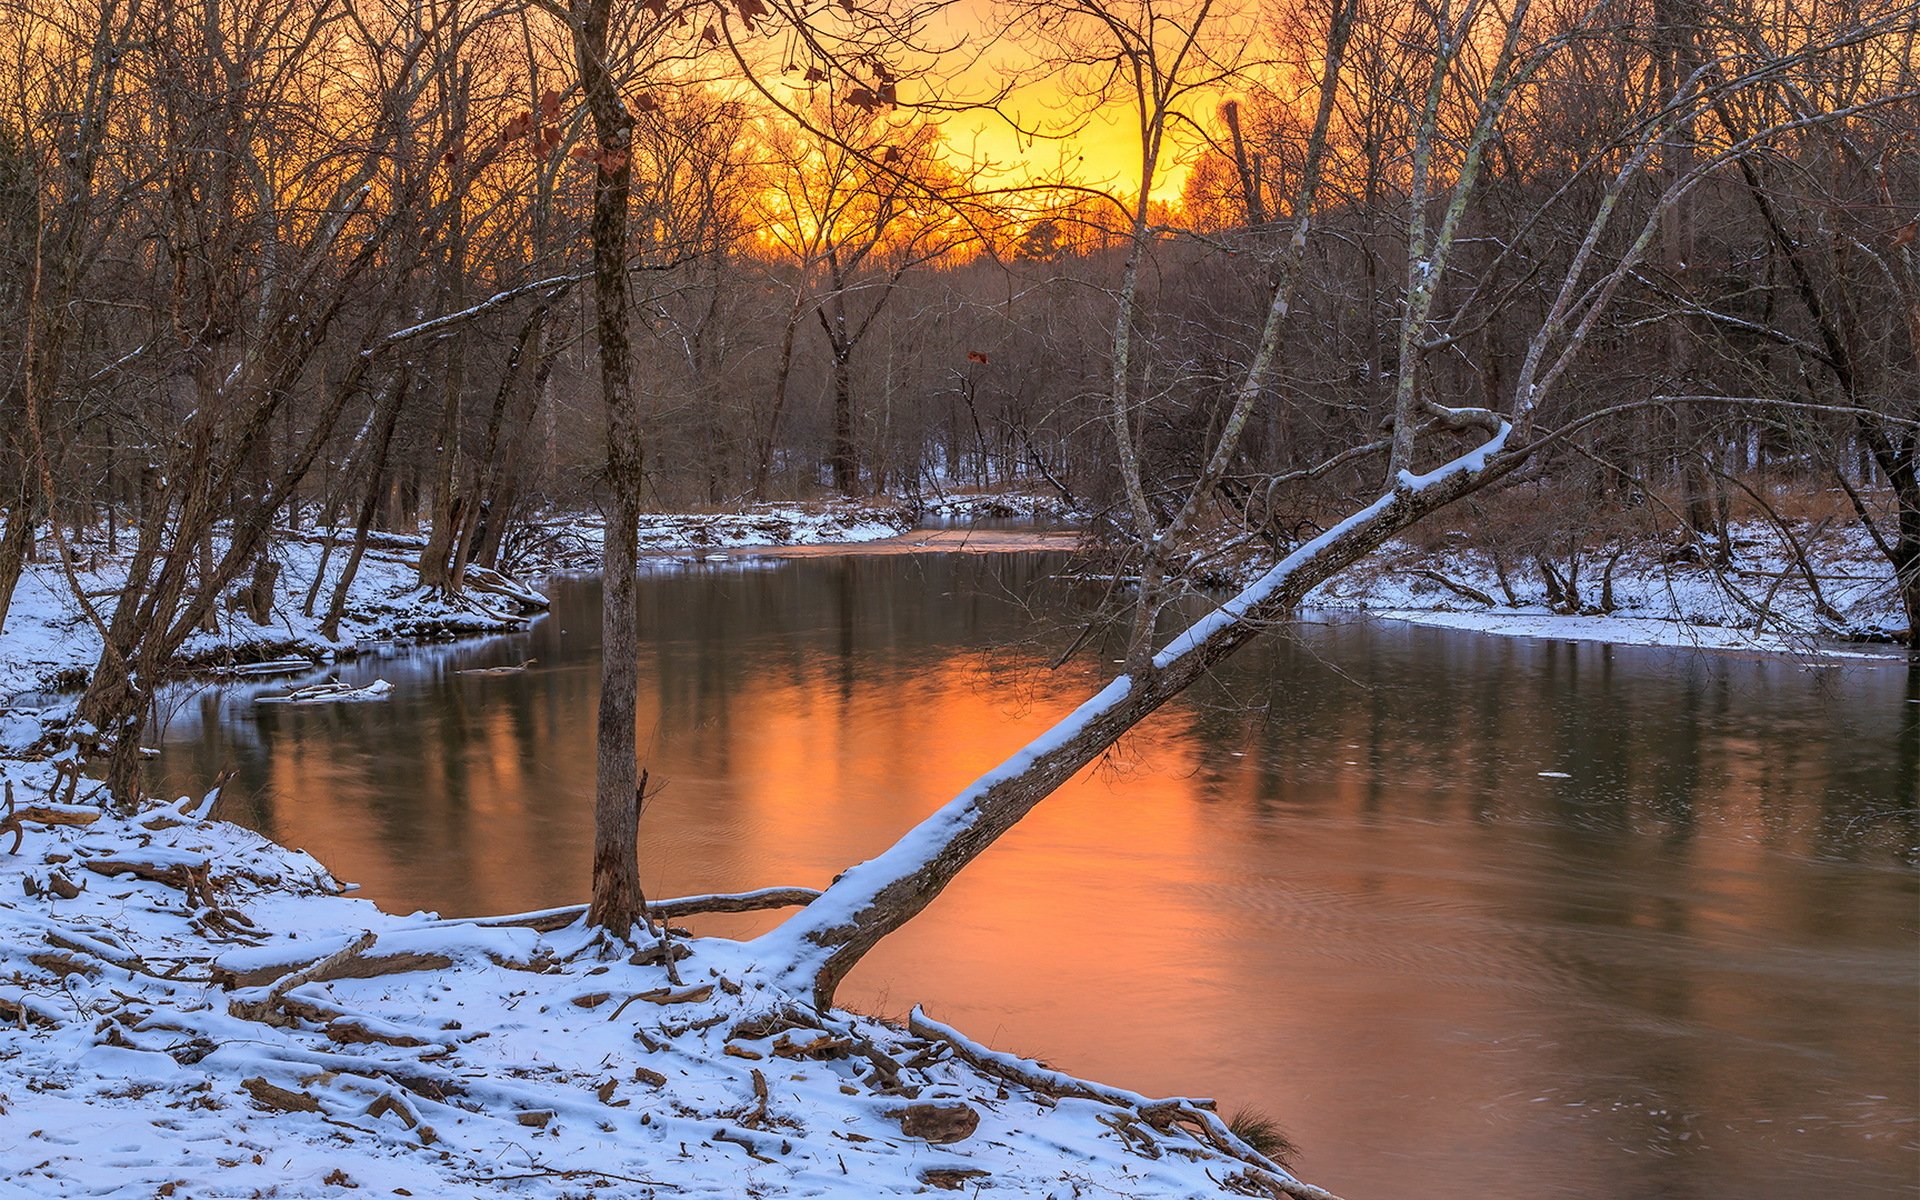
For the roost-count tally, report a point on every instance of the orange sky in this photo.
(1102, 150)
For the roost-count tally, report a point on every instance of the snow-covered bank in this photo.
(51, 641)
(1761, 602)
(189, 1010)
(572, 540)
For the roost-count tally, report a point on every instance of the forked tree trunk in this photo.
(815, 949)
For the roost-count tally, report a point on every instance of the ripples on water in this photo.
(1341, 882)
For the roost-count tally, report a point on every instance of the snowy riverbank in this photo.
(187, 1009)
(51, 641)
(1761, 602)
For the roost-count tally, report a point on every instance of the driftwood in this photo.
(517, 670)
(1194, 1115)
(278, 1098)
(546, 920)
(17, 819)
(694, 995)
(52, 814)
(263, 1008)
(484, 579)
(273, 666)
(1456, 587)
(350, 962)
(939, 1122)
(734, 902)
(331, 692)
(176, 874)
(25, 1010)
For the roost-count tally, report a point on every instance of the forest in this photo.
(1251, 289)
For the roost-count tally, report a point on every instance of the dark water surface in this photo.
(1336, 885)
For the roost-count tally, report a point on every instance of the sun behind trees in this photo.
(316, 270)
(468, 289)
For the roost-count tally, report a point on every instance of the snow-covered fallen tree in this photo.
(187, 1009)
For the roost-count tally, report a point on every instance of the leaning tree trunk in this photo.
(388, 407)
(815, 949)
(15, 543)
(618, 903)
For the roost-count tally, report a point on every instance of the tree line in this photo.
(274, 265)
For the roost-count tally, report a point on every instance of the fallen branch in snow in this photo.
(1459, 589)
(51, 814)
(263, 1008)
(43, 814)
(546, 920)
(1195, 1115)
(353, 962)
(278, 1098)
(178, 874)
(735, 902)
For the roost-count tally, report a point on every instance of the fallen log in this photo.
(1457, 588)
(52, 814)
(546, 920)
(16, 818)
(279, 1099)
(1162, 1115)
(350, 962)
(179, 873)
(262, 1008)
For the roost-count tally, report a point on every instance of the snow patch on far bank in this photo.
(1760, 602)
(50, 642)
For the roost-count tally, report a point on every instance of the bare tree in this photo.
(815, 949)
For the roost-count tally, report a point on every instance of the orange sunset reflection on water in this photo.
(1334, 885)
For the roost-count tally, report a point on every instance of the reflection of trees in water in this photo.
(1438, 723)
(1907, 783)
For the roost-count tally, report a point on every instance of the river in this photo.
(1469, 916)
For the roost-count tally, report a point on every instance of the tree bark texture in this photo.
(618, 903)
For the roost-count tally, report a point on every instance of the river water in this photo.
(1470, 916)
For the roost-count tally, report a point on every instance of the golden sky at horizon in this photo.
(1040, 128)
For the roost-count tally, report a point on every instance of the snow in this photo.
(1260, 589)
(1657, 602)
(505, 1061)
(188, 1009)
(50, 641)
(1622, 631)
(1473, 460)
(163, 1031)
(758, 526)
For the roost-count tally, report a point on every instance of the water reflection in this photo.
(1472, 915)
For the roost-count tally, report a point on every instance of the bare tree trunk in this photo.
(15, 541)
(486, 491)
(1252, 201)
(618, 903)
(783, 373)
(846, 457)
(389, 413)
(450, 501)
